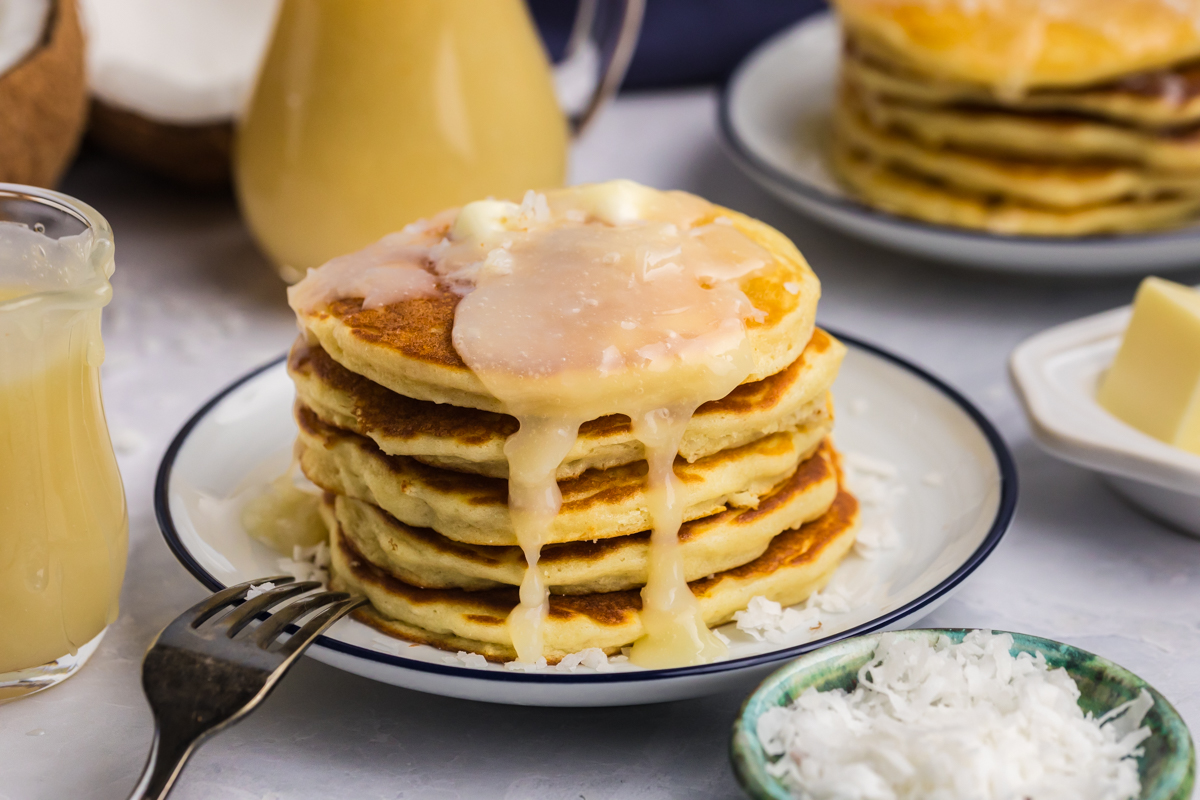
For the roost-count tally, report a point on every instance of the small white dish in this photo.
(1057, 374)
(774, 121)
(952, 499)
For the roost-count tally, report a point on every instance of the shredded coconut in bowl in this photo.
(945, 721)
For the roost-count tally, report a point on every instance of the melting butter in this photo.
(604, 299)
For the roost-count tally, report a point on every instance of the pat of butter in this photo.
(1154, 383)
(483, 218)
(617, 202)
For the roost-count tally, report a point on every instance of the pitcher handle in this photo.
(612, 47)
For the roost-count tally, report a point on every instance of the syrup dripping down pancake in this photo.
(797, 563)
(599, 504)
(733, 536)
(470, 440)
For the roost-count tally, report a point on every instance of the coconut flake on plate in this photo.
(257, 589)
(467, 659)
(308, 563)
(766, 620)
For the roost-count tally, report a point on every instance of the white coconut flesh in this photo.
(180, 62)
(22, 29)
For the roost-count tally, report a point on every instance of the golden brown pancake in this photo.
(1052, 138)
(910, 195)
(407, 346)
(1017, 46)
(1165, 98)
(599, 504)
(734, 536)
(1055, 185)
(796, 563)
(471, 440)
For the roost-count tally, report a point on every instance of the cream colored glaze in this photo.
(606, 299)
(63, 524)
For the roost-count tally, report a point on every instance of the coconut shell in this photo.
(195, 155)
(43, 104)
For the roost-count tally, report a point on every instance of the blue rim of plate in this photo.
(1000, 524)
(745, 156)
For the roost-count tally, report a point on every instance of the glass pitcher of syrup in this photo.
(63, 523)
(371, 114)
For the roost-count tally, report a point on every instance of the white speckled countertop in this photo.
(196, 306)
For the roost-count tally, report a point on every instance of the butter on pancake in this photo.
(1018, 45)
(599, 504)
(471, 440)
(733, 536)
(795, 564)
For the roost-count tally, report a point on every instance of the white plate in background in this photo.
(775, 120)
(956, 498)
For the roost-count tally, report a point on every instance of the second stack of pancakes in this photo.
(416, 497)
(1021, 118)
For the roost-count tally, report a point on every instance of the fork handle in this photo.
(167, 755)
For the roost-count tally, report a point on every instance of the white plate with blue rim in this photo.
(774, 120)
(937, 483)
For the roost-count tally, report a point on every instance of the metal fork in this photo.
(205, 672)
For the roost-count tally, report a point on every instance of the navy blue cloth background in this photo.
(685, 41)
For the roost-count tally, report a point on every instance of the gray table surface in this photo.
(196, 305)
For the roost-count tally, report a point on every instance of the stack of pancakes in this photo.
(409, 450)
(1023, 117)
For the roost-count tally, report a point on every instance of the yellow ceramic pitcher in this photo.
(369, 114)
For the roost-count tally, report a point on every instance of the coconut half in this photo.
(169, 78)
(43, 90)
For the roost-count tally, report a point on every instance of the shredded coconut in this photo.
(944, 721)
(875, 536)
(308, 563)
(592, 658)
(257, 589)
(767, 620)
(874, 482)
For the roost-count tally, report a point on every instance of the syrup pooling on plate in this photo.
(605, 299)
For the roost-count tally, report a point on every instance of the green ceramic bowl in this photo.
(1167, 769)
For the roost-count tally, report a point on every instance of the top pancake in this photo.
(1017, 45)
(407, 346)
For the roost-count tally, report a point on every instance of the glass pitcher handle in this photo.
(597, 55)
